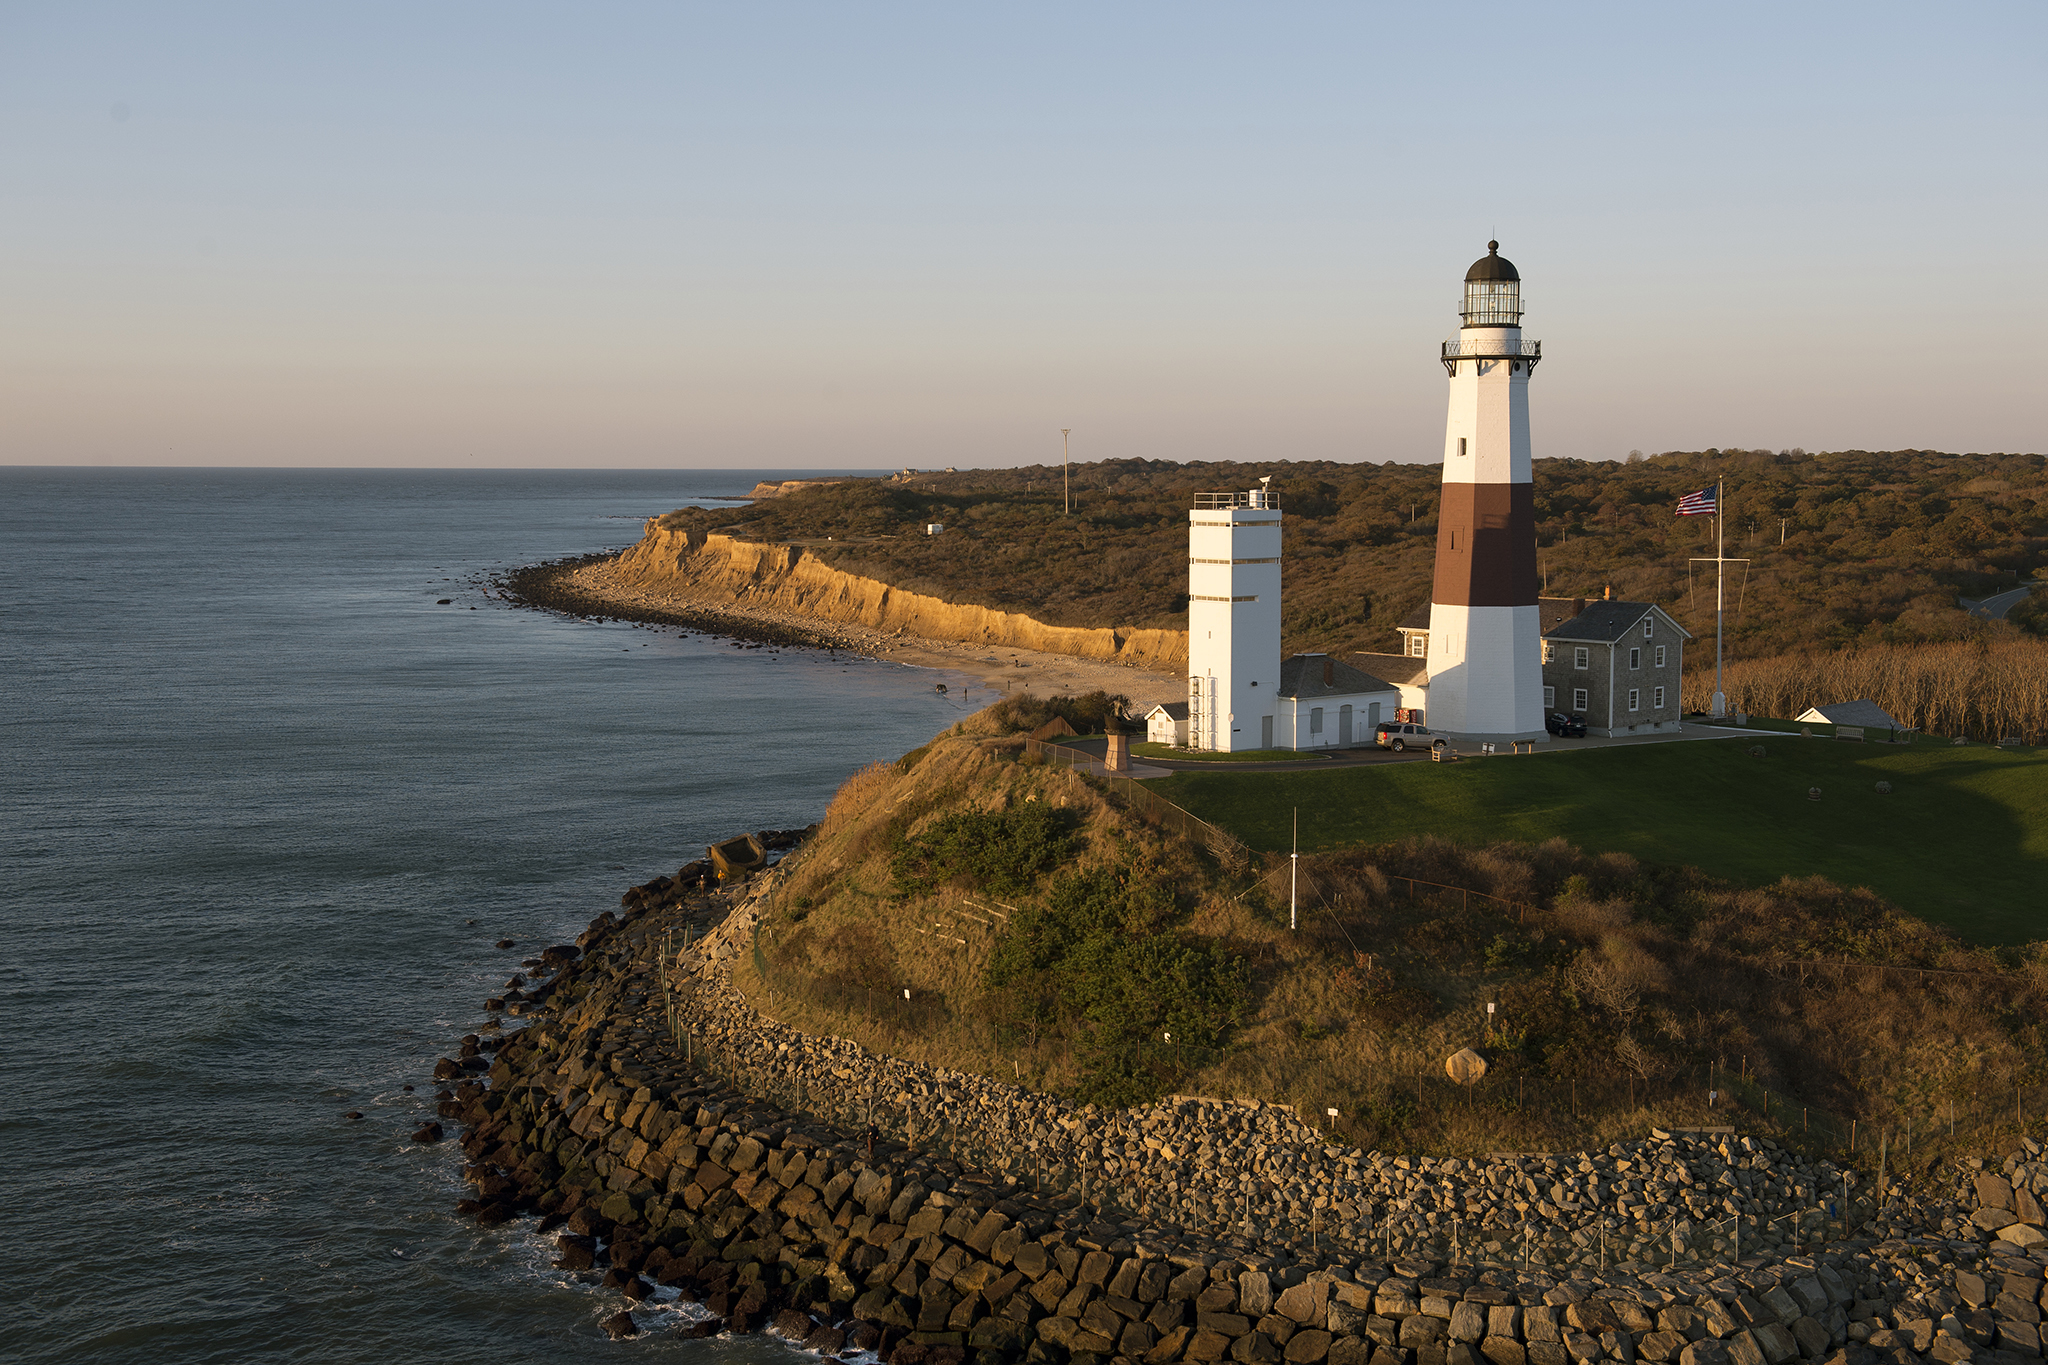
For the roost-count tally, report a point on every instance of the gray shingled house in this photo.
(1616, 665)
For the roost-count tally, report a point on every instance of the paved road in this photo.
(1996, 605)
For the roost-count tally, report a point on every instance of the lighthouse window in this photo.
(1461, 447)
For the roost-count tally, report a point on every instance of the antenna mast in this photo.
(1721, 561)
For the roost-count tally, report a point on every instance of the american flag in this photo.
(1700, 504)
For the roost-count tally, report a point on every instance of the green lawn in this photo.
(1145, 748)
(1961, 839)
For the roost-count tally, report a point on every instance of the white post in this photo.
(1066, 489)
(1293, 871)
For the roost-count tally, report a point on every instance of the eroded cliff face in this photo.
(719, 569)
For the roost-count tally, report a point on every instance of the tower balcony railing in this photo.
(1454, 351)
(1219, 502)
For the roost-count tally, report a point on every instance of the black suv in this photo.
(1571, 727)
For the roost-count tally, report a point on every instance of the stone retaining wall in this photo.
(661, 1177)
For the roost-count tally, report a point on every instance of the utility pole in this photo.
(1066, 487)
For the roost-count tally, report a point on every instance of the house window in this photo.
(1550, 699)
(1582, 657)
(1315, 720)
(1549, 651)
(1647, 623)
(1418, 644)
(1635, 699)
(1635, 658)
(1658, 704)
(1578, 699)
(1660, 656)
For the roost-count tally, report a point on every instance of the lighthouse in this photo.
(1485, 635)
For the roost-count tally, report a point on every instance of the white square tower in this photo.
(1233, 619)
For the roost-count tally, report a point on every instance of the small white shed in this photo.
(1167, 723)
(1863, 713)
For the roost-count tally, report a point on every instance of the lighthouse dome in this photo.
(1492, 266)
(1493, 291)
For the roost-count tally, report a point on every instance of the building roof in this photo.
(1306, 676)
(1173, 710)
(1396, 668)
(1493, 266)
(1862, 711)
(1604, 622)
(1417, 619)
(1555, 611)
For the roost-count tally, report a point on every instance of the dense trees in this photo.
(1849, 548)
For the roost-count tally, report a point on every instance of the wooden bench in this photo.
(1854, 732)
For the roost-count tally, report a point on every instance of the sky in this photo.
(874, 236)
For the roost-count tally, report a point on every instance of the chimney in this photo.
(1609, 594)
(1578, 606)
(1329, 672)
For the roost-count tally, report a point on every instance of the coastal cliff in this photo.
(718, 569)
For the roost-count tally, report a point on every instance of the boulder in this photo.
(1307, 1346)
(620, 1325)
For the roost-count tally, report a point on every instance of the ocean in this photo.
(267, 807)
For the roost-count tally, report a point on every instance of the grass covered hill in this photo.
(1876, 546)
(1044, 933)
(1960, 839)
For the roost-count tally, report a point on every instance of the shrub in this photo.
(1026, 711)
(1101, 956)
(1001, 852)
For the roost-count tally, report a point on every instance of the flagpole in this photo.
(1720, 589)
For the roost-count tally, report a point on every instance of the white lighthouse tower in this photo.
(1233, 619)
(1485, 633)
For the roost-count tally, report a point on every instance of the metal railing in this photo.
(1219, 502)
(1490, 350)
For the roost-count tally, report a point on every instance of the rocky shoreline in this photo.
(554, 586)
(678, 1142)
(589, 588)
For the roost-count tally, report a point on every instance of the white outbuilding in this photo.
(1167, 723)
(1325, 703)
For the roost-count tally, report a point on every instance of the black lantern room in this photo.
(1493, 291)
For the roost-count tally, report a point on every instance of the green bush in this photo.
(1001, 852)
(1101, 958)
(1087, 713)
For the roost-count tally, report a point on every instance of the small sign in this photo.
(1331, 1112)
